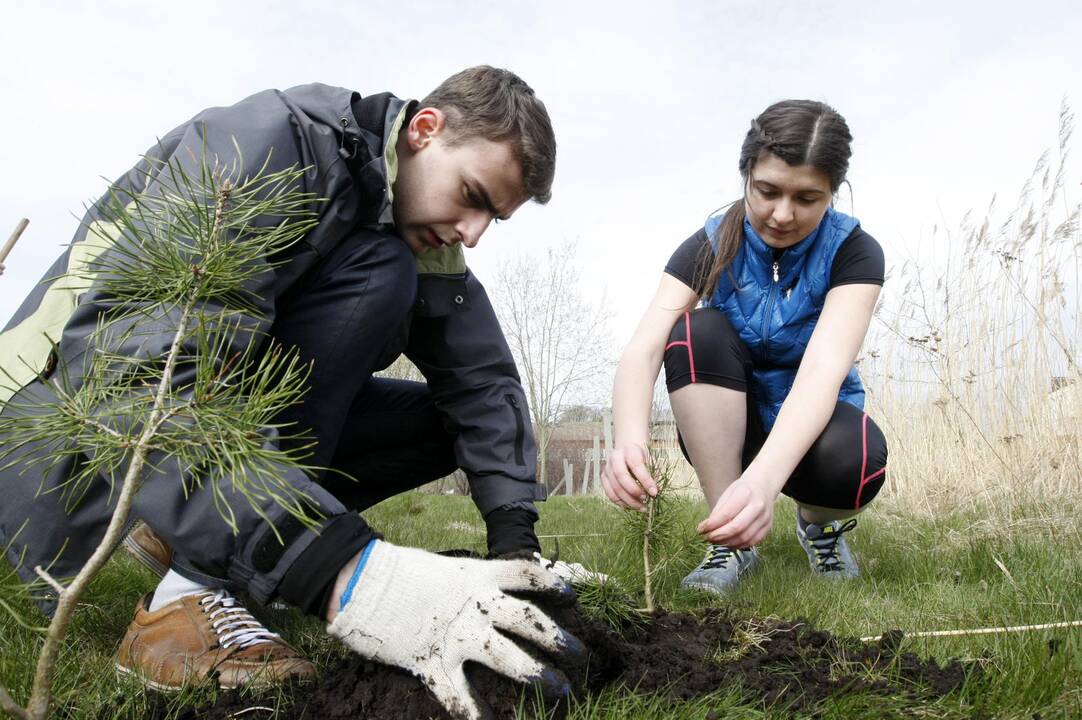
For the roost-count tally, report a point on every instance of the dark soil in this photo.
(772, 662)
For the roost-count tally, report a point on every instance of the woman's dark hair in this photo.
(800, 132)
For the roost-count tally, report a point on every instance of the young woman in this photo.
(761, 376)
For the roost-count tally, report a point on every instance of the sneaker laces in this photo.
(232, 622)
(717, 556)
(826, 545)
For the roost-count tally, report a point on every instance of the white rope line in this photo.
(254, 708)
(582, 535)
(983, 631)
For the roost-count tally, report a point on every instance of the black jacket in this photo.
(345, 144)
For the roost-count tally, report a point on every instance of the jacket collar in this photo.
(369, 129)
(379, 119)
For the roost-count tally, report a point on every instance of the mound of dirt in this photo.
(771, 662)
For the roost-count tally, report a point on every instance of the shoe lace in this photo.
(717, 556)
(826, 545)
(232, 622)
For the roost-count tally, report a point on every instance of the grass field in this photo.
(963, 569)
(972, 373)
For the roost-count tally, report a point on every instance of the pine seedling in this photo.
(191, 261)
(656, 529)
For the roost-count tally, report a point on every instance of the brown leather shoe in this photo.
(203, 636)
(149, 549)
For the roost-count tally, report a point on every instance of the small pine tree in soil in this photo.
(656, 530)
(183, 258)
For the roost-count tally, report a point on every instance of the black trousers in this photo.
(346, 315)
(374, 437)
(846, 465)
(348, 319)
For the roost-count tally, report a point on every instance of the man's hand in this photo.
(742, 515)
(429, 614)
(626, 477)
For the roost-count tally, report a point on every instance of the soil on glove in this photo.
(771, 662)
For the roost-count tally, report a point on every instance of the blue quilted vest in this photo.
(774, 308)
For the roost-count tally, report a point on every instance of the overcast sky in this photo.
(949, 102)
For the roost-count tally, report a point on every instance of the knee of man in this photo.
(392, 282)
(403, 292)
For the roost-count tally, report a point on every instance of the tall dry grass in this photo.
(972, 364)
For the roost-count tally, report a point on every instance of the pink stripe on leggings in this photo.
(864, 480)
(686, 343)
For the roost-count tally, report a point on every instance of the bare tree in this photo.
(561, 342)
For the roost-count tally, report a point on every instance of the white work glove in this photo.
(571, 572)
(429, 614)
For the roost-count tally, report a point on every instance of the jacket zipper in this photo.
(520, 430)
(766, 313)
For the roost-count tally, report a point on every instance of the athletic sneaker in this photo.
(828, 552)
(721, 569)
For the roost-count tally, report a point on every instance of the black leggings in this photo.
(846, 465)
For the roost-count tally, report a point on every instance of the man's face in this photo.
(445, 195)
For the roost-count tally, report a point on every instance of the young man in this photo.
(406, 185)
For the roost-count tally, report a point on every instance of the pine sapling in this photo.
(655, 528)
(187, 258)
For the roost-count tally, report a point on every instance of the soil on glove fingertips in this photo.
(771, 662)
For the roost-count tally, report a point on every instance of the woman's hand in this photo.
(626, 477)
(742, 515)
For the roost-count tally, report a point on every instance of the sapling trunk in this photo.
(648, 572)
(655, 528)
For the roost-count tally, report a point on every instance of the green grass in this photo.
(960, 570)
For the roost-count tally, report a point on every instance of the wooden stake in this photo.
(13, 239)
(597, 464)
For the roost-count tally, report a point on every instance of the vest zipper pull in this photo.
(775, 272)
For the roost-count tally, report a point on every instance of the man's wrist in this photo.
(510, 529)
(311, 577)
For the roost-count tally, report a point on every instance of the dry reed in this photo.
(972, 369)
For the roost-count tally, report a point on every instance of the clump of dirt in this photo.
(772, 662)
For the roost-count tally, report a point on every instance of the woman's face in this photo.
(785, 203)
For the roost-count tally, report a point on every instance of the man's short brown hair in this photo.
(495, 104)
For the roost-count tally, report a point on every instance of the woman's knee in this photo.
(846, 466)
(703, 347)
